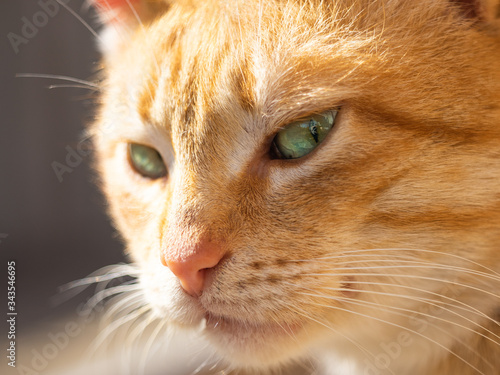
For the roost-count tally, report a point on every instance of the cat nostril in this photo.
(192, 280)
(190, 264)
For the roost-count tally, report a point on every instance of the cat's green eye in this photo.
(302, 136)
(146, 161)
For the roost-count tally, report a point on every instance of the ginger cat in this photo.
(312, 181)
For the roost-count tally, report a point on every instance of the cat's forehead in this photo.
(215, 63)
(278, 58)
(217, 75)
(211, 79)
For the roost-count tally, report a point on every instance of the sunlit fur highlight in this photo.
(391, 225)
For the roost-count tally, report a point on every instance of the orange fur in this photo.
(390, 225)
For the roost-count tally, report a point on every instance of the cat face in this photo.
(396, 210)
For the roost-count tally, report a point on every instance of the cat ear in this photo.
(485, 11)
(116, 11)
(121, 17)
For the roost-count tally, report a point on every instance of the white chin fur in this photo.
(168, 301)
(239, 348)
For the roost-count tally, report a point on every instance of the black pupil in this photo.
(313, 128)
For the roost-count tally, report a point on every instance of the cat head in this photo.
(266, 162)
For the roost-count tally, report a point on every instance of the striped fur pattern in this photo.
(379, 252)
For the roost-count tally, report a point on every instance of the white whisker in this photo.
(124, 305)
(112, 327)
(461, 305)
(406, 254)
(139, 330)
(417, 264)
(427, 301)
(149, 344)
(103, 274)
(426, 251)
(403, 328)
(407, 277)
(389, 309)
(82, 21)
(211, 360)
(289, 332)
(102, 295)
(59, 77)
(85, 87)
(374, 258)
(356, 344)
(108, 273)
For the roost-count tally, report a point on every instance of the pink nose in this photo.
(190, 263)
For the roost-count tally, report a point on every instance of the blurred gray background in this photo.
(56, 231)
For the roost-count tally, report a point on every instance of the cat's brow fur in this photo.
(393, 217)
